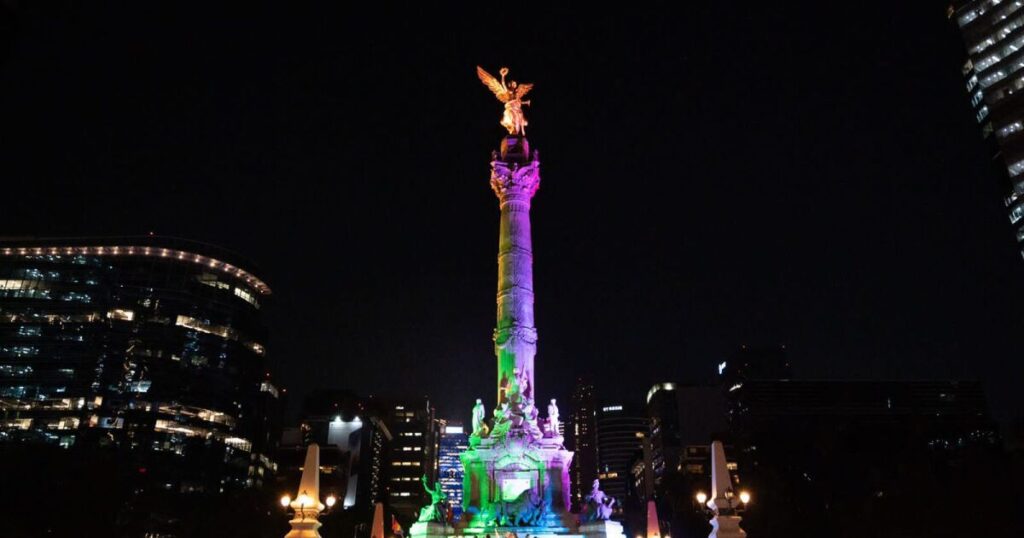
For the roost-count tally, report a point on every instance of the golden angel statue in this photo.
(512, 95)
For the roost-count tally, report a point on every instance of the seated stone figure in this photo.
(517, 414)
(597, 505)
(502, 422)
(526, 510)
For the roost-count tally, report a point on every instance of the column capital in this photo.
(514, 180)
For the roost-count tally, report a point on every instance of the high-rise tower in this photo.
(993, 33)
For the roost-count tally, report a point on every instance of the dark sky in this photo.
(730, 175)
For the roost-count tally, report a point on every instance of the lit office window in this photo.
(121, 314)
(1017, 213)
(1009, 129)
(247, 296)
(1016, 168)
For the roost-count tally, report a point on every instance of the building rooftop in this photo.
(212, 256)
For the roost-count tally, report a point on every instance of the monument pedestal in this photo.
(304, 528)
(517, 482)
(602, 529)
(726, 527)
(430, 529)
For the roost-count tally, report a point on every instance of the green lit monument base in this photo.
(430, 529)
(517, 481)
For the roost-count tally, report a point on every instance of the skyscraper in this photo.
(411, 455)
(684, 419)
(150, 345)
(856, 456)
(620, 432)
(583, 440)
(993, 33)
(454, 441)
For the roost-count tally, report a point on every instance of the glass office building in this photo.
(454, 441)
(620, 433)
(993, 34)
(149, 345)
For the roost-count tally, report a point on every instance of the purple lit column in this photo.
(515, 176)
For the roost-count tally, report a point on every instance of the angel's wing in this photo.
(499, 91)
(523, 89)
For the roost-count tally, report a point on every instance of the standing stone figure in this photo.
(479, 413)
(553, 418)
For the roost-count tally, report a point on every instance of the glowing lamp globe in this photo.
(285, 501)
(744, 497)
(701, 497)
(330, 500)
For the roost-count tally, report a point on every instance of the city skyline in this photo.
(699, 194)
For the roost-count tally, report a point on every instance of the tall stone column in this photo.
(515, 177)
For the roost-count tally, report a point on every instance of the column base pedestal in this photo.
(304, 528)
(726, 527)
(430, 529)
(602, 529)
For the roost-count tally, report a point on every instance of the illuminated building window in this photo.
(28, 289)
(731, 466)
(18, 284)
(204, 327)
(14, 392)
(75, 296)
(29, 331)
(238, 443)
(211, 280)
(247, 296)
(256, 348)
(140, 386)
(19, 351)
(1009, 129)
(107, 423)
(173, 427)
(267, 386)
(65, 423)
(9, 370)
(1017, 213)
(976, 98)
(1016, 168)
(17, 424)
(121, 314)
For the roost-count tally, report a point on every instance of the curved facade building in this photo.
(620, 432)
(152, 345)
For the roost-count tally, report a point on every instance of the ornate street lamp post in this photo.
(306, 507)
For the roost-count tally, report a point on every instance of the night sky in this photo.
(733, 175)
